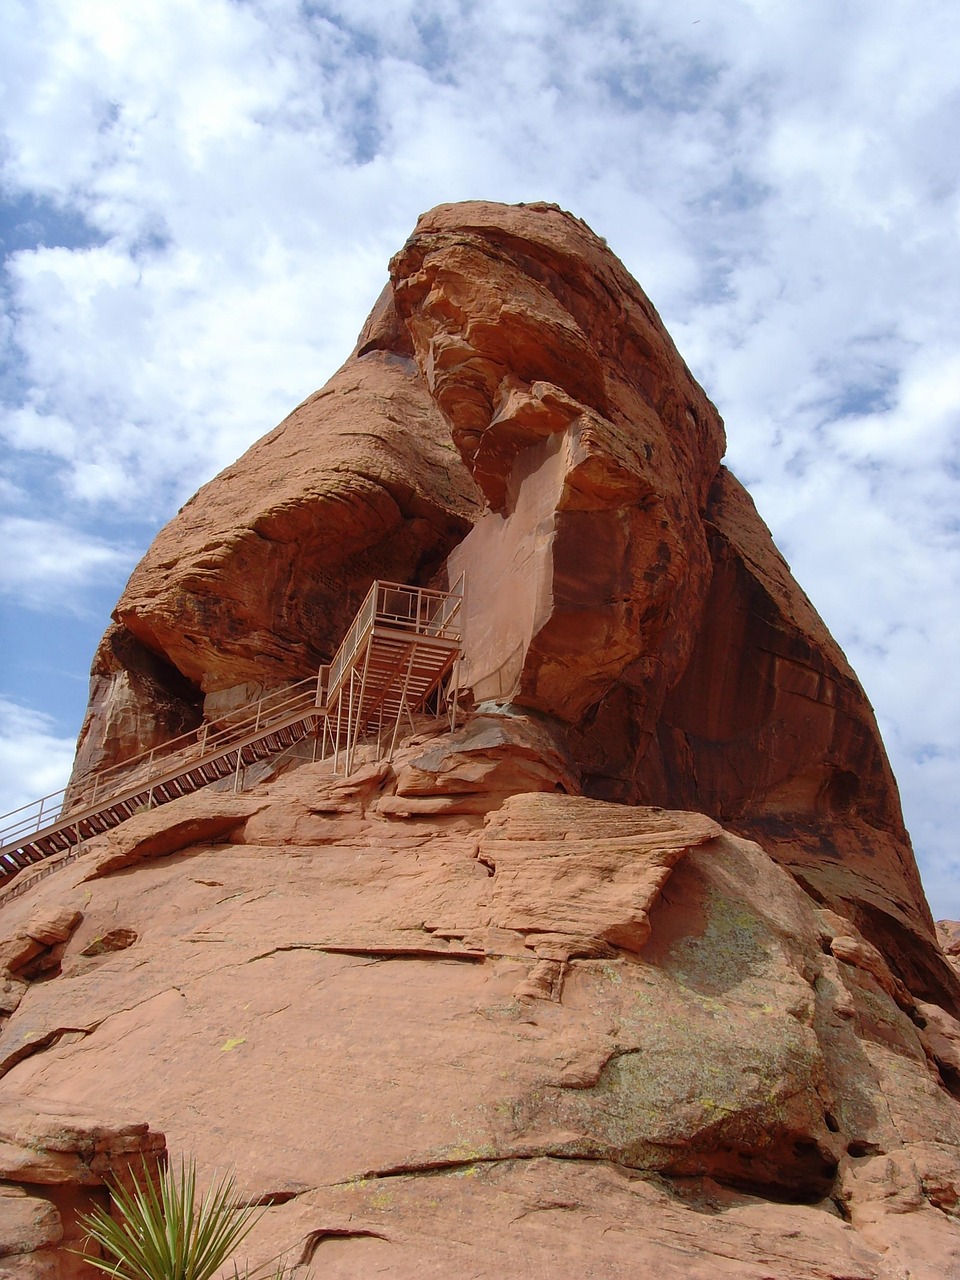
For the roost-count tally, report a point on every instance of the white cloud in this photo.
(779, 178)
(34, 762)
(46, 565)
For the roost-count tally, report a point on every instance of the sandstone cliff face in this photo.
(631, 968)
(621, 581)
(593, 446)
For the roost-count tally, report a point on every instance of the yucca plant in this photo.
(165, 1232)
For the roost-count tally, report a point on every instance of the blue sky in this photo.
(198, 200)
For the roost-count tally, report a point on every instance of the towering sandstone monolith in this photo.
(629, 970)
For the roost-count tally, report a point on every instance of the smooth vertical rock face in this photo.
(632, 969)
(592, 444)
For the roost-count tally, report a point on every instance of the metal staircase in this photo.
(403, 644)
(402, 647)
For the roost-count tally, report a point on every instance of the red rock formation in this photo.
(631, 970)
(948, 935)
(256, 579)
(138, 700)
(57, 1163)
(593, 446)
(621, 580)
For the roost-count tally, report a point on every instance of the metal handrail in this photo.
(351, 641)
(421, 610)
(209, 738)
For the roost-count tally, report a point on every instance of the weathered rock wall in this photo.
(254, 582)
(621, 580)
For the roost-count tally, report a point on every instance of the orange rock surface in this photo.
(598, 1036)
(631, 970)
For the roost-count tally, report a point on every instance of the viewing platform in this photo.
(401, 647)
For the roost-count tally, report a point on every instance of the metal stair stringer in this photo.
(248, 746)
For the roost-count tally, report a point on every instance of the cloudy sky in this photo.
(198, 199)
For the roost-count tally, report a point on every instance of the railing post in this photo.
(414, 609)
(348, 753)
(363, 690)
(403, 700)
(455, 678)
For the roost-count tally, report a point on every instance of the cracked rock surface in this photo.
(515, 409)
(440, 1045)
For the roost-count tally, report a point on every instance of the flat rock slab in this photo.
(569, 865)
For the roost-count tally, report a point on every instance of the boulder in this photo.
(56, 1164)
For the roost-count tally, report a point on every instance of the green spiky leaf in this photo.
(164, 1232)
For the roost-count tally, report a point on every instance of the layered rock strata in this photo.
(515, 383)
(56, 1164)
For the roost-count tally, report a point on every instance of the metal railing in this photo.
(125, 787)
(211, 738)
(32, 875)
(417, 610)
